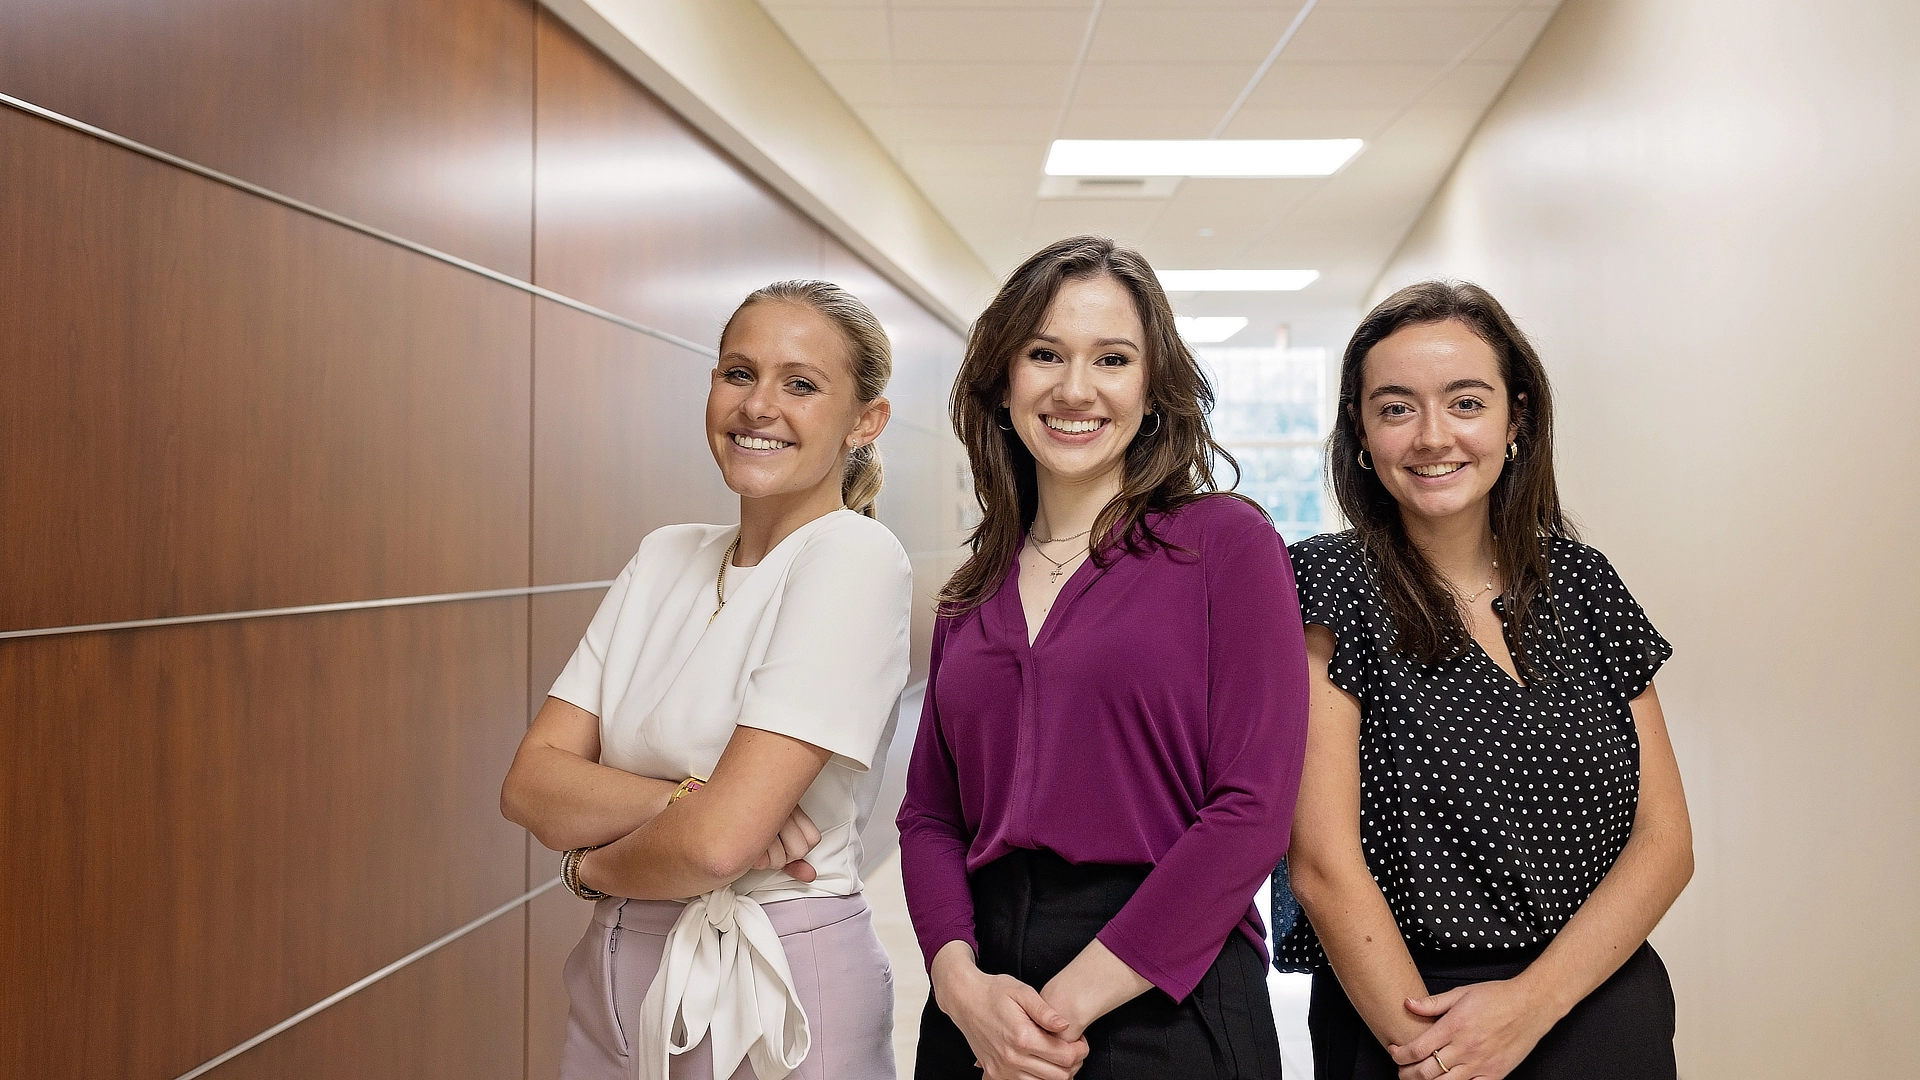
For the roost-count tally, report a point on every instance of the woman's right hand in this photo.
(790, 846)
(1011, 1029)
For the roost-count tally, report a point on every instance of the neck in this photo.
(766, 521)
(1460, 546)
(1070, 506)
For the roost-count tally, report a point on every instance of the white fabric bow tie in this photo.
(723, 976)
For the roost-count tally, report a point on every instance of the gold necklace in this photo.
(1486, 588)
(1057, 539)
(720, 583)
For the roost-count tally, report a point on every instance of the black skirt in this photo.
(1034, 912)
(1623, 1029)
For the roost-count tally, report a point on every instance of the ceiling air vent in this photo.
(1108, 187)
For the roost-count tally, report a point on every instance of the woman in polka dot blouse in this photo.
(1491, 819)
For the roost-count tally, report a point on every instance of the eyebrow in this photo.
(1395, 389)
(1101, 342)
(817, 373)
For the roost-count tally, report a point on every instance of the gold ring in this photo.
(1441, 1062)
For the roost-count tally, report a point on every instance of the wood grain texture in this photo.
(215, 403)
(619, 444)
(639, 214)
(209, 828)
(452, 1014)
(414, 116)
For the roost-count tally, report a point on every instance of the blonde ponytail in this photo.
(861, 487)
(869, 357)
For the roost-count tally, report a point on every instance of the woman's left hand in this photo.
(1482, 1031)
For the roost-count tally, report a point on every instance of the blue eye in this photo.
(802, 386)
(1388, 409)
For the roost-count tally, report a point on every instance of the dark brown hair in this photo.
(1164, 469)
(869, 358)
(1525, 501)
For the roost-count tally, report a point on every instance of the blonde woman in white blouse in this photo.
(705, 758)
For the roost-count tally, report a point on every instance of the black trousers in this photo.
(1622, 1031)
(1034, 912)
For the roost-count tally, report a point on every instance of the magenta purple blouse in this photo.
(1159, 718)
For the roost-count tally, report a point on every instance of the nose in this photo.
(1432, 433)
(763, 403)
(1075, 389)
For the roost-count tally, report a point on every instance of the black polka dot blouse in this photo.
(1489, 811)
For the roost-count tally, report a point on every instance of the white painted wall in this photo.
(1707, 213)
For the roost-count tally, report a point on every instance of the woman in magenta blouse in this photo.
(1116, 715)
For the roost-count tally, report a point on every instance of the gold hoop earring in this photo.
(1364, 459)
(1513, 450)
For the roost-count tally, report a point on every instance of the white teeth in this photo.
(1073, 427)
(750, 443)
(1438, 470)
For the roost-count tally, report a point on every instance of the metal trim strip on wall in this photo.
(305, 609)
(175, 160)
(339, 996)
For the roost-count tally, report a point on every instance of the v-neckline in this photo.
(1069, 591)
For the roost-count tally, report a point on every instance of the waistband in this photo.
(796, 916)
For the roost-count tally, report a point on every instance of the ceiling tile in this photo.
(1190, 122)
(1515, 38)
(1476, 84)
(1162, 84)
(860, 82)
(973, 158)
(1189, 35)
(962, 123)
(826, 34)
(1384, 36)
(1291, 85)
(923, 83)
(972, 35)
(1126, 220)
(1310, 122)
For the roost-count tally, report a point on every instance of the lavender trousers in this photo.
(839, 970)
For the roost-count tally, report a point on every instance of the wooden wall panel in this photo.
(620, 448)
(556, 919)
(454, 1014)
(640, 215)
(211, 827)
(216, 403)
(415, 116)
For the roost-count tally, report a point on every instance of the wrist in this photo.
(1547, 996)
(953, 966)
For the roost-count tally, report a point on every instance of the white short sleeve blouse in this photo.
(812, 643)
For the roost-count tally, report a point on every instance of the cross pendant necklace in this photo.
(1059, 566)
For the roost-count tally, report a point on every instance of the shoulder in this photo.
(1575, 564)
(853, 542)
(1328, 553)
(1218, 518)
(1330, 571)
(670, 546)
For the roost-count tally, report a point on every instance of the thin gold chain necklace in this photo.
(1059, 565)
(1488, 587)
(720, 583)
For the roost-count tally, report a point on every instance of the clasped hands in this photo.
(1481, 1031)
(1015, 1031)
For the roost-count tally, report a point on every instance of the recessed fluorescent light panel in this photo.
(1208, 329)
(1200, 157)
(1236, 280)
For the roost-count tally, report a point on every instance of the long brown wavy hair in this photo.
(1162, 471)
(1525, 501)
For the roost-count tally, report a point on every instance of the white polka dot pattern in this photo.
(1489, 811)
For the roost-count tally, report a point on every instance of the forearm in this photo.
(1363, 943)
(1616, 919)
(664, 859)
(1093, 984)
(566, 801)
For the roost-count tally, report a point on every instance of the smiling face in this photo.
(784, 407)
(1078, 390)
(1434, 418)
